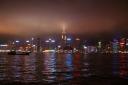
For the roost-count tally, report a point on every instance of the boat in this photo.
(18, 53)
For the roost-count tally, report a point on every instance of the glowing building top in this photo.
(64, 37)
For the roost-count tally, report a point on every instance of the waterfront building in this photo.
(63, 36)
(38, 45)
(122, 44)
(115, 46)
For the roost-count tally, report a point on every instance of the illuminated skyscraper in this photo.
(64, 36)
(99, 46)
(115, 46)
(122, 44)
(77, 43)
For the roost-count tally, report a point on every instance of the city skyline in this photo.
(63, 42)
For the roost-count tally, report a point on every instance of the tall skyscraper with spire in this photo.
(64, 36)
(64, 32)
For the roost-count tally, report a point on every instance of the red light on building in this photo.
(122, 44)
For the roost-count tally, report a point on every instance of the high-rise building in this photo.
(122, 44)
(127, 45)
(38, 44)
(64, 36)
(115, 46)
(99, 46)
(77, 43)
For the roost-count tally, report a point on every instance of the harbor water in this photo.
(64, 69)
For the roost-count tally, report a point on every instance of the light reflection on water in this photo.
(120, 65)
(52, 67)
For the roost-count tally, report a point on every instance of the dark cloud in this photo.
(36, 17)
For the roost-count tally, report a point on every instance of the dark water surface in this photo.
(64, 69)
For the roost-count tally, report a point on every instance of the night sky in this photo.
(85, 17)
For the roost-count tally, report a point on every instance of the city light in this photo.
(59, 46)
(68, 39)
(99, 43)
(53, 41)
(85, 47)
(17, 41)
(27, 41)
(29, 44)
(77, 39)
(50, 41)
(47, 41)
(114, 46)
(49, 51)
(33, 45)
(4, 45)
(32, 38)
